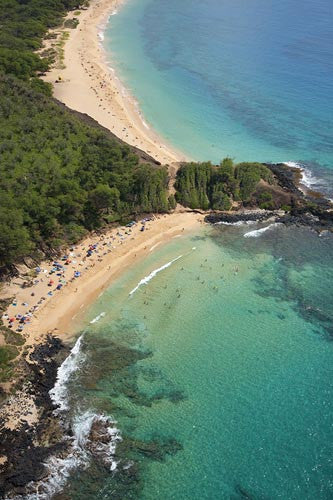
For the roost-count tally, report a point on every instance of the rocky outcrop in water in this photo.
(242, 216)
(307, 209)
(287, 177)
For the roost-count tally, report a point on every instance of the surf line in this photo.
(100, 316)
(257, 232)
(152, 275)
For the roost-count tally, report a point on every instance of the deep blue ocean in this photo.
(248, 79)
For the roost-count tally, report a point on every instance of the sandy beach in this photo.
(49, 298)
(88, 84)
(57, 300)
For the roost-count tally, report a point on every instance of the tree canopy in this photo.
(60, 176)
(203, 185)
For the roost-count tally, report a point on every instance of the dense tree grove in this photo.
(202, 185)
(60, 177)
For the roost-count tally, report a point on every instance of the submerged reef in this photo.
(76, 447)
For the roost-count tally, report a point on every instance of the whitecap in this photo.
(258, 232)
(97, 318)
(60, 468)
(80, 446)
(58, 394)
(308, 179)
(152, 275)
(238, 223)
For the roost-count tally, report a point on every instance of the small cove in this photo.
(221, 365)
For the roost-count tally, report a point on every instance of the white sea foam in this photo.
(154, 246)
(258, 232)
(97, 318)
(81, 447)
(238, 223)
(144, 123)
(58, 394)
(152, 275)
(308, 179)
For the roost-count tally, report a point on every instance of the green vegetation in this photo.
(23, 26)
(11, 337)
(71, 23)
(172, 202)
(7, 355)
(204, 186)
(60, 177)
(59, 50)
(248, 175)
(265, 200)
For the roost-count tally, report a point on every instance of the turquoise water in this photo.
(252, 80)
(218, 370)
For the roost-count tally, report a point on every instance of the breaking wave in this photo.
(91, 435)
(238, 223)
(308, 179)
(258, 232)
(59, 392)
(152, 275)
(100, 316)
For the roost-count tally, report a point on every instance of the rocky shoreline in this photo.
(38, 454)
(29, 431)
(307, 208)
(38, 443)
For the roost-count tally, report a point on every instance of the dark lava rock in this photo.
(242, 216)
(312, 209)
(313, 217)
(27, 448)
(287, 177)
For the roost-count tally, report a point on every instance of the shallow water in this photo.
(210, 362)
(218, 370)
(252, 80)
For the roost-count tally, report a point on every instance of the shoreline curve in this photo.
(88, 84)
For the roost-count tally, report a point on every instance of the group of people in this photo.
(52, 277)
